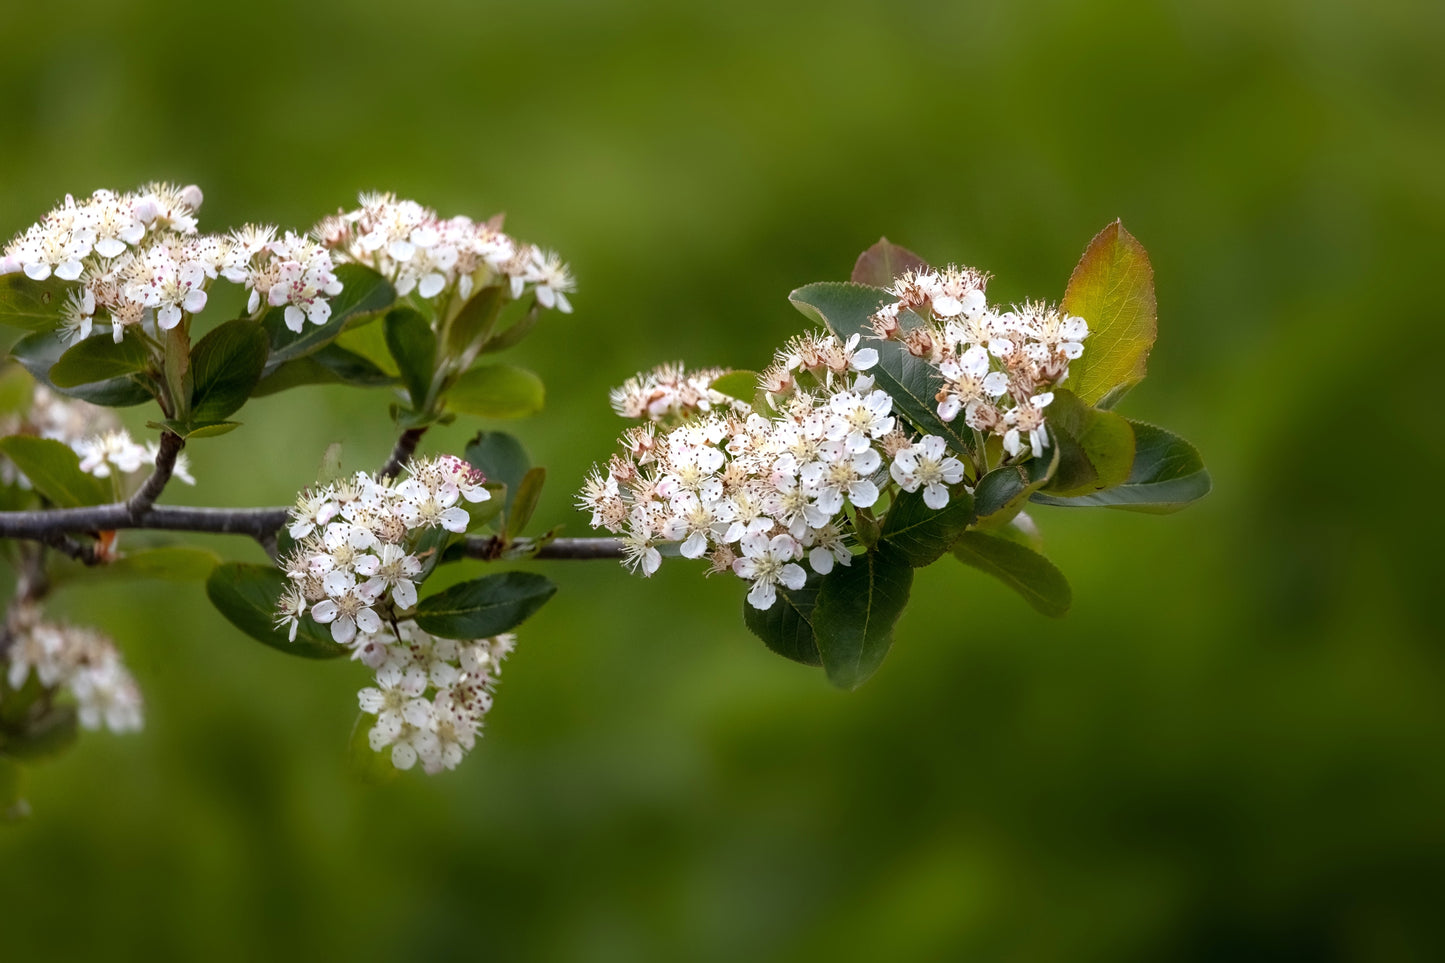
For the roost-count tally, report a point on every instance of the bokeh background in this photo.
(1230, 750)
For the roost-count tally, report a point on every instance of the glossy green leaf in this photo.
(883, 262)
(497, 391)
(1168, 473)
(99, 359)
(1025, 571)
(1096, 448)
(33, 305)
(520, 508)
(1003, 492)
(923, 534)
(246, 595)
(857, 608)
(485, 606)
(364, 292)
(329, 364)
(37, 353)
(501, 458)
(55, 472)
(1112, 288)
(198, 429)
(787, 627)
(912, 382)
(477, 318)
(527, 312)
(225, 366)
(413, 345)
(742, 385)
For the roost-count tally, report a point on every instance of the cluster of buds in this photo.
(355, 568)
(76, 660)
(420, 252)
(106, 449)
(670, 394)
(140, 264)
(761, 493)
(997, 366)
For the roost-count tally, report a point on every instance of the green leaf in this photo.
(912, 382)
(512, 334)
(371, 767)
(99, 359)
(787, 627)
(364, 292)
(37, 353)
(884, 261)
(33, 305)
(501, 458)
(1096, 448)
(477, 318)
(497, 391)
(55, 472)
(188, 430)
(485, 606)
(225, 366)
(1025, 571)
(923, 534)
(1002, 493)
(742, 385)
(857, 607)
(1112, 288)
(330, 364)
(1168, 473)
(414, 346)
(520, 508)
(246, 595)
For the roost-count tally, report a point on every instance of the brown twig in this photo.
(145, 496)
(401, 454)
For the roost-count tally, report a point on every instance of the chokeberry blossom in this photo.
(759, 492)
(355, 569)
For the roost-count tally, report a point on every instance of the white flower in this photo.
(552, 279)
(927, 463)
(394, 570)
(1028, 419)
(841, 471)
(347, 608)
(768, 564)
(397, 702)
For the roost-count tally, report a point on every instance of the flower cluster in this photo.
(669, 393)
(760, 494)
(105, 448)
(997, 366)
(78, 660)
(431, 694)
(356, 568)
(140, 263)
(418, 251)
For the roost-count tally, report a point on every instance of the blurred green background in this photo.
(1231, 748)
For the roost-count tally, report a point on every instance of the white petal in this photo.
(763, 595)
(295, 318)
(935, 496)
